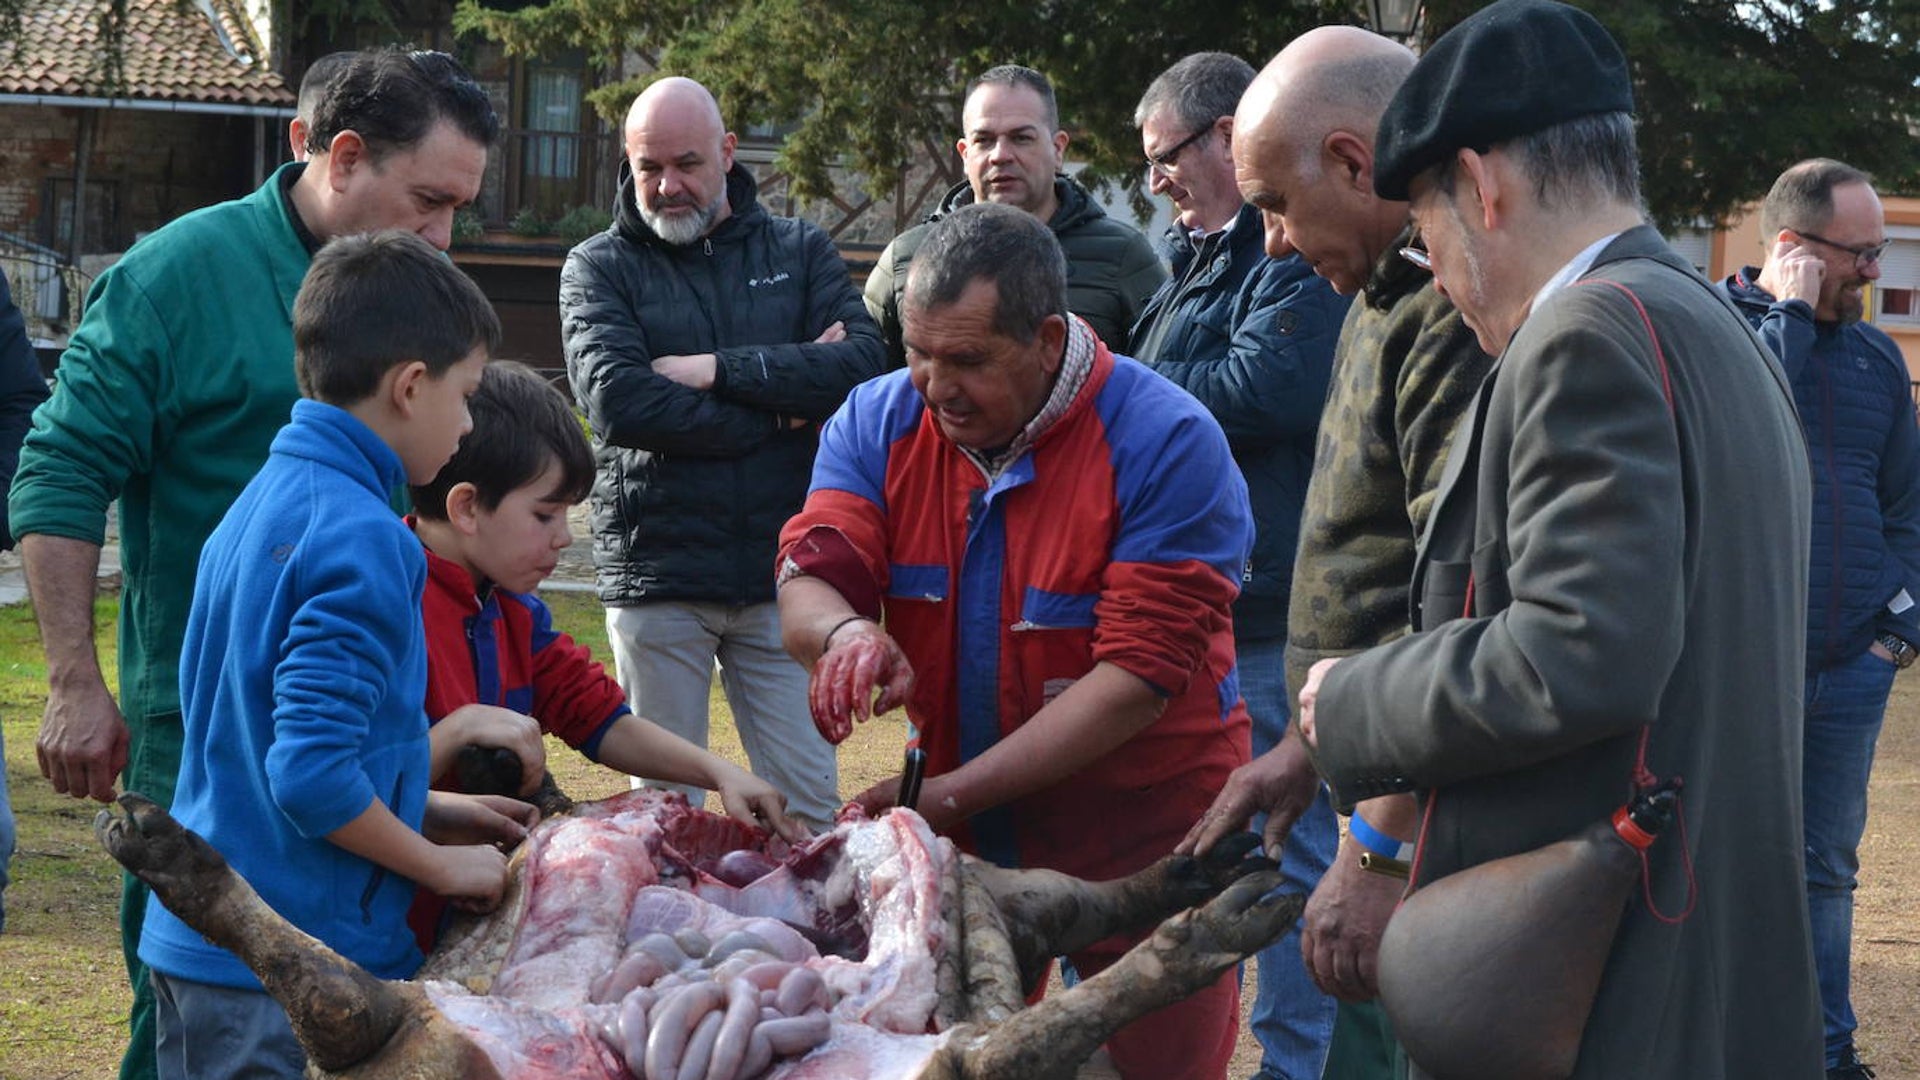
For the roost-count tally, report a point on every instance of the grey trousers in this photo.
(207, 1032)
(663, 655)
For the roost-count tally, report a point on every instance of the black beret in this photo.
(1510, 69)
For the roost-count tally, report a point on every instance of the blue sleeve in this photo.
(1182, 497)
(1271, 383)
(1899, 492)
(1787, 329)
(336, 673)
(22, 389)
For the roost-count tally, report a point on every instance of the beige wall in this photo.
(1739, 245)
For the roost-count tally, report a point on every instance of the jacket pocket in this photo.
(1491, 591)
(1044, 609)
(917, 581)
(1443, 596)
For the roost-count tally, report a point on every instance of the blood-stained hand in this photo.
(863, 673)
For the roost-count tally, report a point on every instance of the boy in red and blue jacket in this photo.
(498, 672)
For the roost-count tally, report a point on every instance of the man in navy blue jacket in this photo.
(1826, 233)
(21, 389)
(1252, 338)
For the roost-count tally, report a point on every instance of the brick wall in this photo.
(160, 165)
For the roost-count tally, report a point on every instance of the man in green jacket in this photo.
(167, 398)
(1012, 150)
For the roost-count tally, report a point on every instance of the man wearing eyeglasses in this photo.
(1252, 338)
(1012, 148)
(1827, 233)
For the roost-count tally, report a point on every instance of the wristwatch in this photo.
(1903, 651)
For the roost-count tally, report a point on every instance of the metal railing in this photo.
(48, 290)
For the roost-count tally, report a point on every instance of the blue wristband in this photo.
(1376, 841)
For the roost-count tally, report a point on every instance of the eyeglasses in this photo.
(1863, 257)
(1166, 159)
(1418, 257)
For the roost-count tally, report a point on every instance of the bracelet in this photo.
(1380, 864)
(1379, 843)
(826, 643)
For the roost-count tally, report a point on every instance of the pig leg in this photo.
(1049, 914)
(949, 982)
(341, 1014)
(993, 973)
(1185, 954)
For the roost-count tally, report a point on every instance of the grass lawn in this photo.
(63, 989)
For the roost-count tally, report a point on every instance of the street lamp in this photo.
(1397, 19)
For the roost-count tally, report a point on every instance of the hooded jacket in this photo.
(692, 486)
(1111, 268)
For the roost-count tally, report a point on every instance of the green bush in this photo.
(581, 222)
(530, 222)
(467, 226)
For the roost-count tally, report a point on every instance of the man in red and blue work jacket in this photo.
(1055, 537)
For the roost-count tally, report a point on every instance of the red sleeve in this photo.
(573, 696)
(1157, 620)
(839, 538)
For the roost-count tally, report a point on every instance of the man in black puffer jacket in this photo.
(706, 340)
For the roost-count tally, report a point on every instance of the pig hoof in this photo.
(1244, 919)
(153, 846)
(1200, 877)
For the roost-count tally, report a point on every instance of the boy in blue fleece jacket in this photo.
(304, 667)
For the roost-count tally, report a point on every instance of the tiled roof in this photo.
(174, 52)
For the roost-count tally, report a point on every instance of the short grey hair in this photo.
(1199, 89)
(1578, 162)
(1802, 198)
(1001, 244)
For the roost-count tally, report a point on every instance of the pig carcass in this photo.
(641, 938)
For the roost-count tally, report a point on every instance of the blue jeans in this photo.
(1845, 704)
(6, 831)
(1292, 1019)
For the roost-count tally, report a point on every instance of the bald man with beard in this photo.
(707, 340)
(1405, 369)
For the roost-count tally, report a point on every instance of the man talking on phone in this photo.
(1825, 232)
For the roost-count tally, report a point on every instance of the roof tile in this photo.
(171, 54)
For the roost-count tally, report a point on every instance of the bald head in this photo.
(677, 101)
(1334, 78)
(1303, 150)
(680, 153)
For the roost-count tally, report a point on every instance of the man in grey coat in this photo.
(1610, 588)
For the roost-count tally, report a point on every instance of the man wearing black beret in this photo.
(1611, 587)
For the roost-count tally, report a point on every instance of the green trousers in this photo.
(1363, 1047)
(153, 765)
